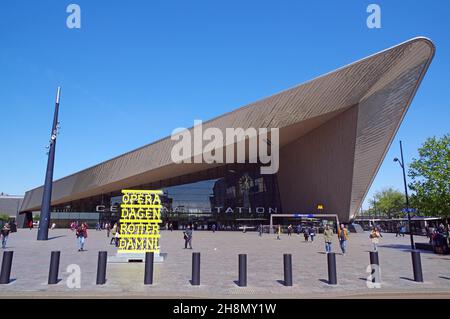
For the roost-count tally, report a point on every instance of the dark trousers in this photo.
(188, 241)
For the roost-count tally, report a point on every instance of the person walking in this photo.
(213, 227)
(312, 233)
(81, 236)
(116, 236)
(328, 235)
(278, 232)
(375, 236)
(5, 234)
(306, 233)
(289, 230)
(188, 237)
(171, 226)
(343, 237)
(260, 230)
(113, 231)
(108, 229)
(403, 230)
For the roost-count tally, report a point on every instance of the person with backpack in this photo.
(187, 234)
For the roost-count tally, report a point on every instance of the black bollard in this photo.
(54, 268)
(148, 278)
(6, 267)
(332, 277)
(101, 267)
(242, 270)
(195, 281)
(375, 266)
(417, 265)
(287, 261)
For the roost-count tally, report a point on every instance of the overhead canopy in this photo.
(373, 94)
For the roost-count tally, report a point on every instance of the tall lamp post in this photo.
(47, 195)
(402, 165)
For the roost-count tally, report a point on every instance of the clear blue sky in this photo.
(138, 69)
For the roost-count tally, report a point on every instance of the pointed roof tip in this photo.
(425, 40)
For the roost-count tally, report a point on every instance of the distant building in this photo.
(10, 205)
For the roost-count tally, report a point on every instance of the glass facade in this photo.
(236, 199)
(231, 196)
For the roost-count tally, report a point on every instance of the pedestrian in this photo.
(30, 224)
(213, 227)
(312, 233)
(328, 235)
(116, 236)
(5, 234)
(260, 230)
(343, 237)
(113, 231)
(289, 230)
(81, 236)
(375, 236)
(403, 230)
(53, 226)
(397, 230)
(306, 233)
(299, 229)
(188, 237)
(108, 229)
(279, 232)
(171, 226)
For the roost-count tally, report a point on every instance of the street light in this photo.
(402, 165)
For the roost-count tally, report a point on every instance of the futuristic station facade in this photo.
(334, 132)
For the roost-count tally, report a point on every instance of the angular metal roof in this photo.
(381, 85)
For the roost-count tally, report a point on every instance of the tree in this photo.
(430, 175)
(388, 202)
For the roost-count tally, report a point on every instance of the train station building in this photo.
(334, 132)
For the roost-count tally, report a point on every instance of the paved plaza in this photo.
(219, 268)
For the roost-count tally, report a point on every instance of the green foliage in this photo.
(430, 175)
(388, 202)
(4, 217)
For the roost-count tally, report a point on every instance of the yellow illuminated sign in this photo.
(319, 206)
(139, 221)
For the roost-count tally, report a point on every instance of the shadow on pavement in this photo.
(50, 238)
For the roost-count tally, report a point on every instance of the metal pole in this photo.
(54, 268)
(242, 270)
(148, 278)
(332, 276)
(375, 265)
(287, 262)
(417, 266)
(47, 195)
(101, 267)
(407, 198)
(6, 267)
(195, 280)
